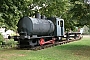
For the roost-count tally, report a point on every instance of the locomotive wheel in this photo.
(41, 41)
(53, 42)
(33, 42)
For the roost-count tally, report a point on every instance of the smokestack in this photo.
(37, 15)
(42, 16)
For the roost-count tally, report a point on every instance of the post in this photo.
(67, 36)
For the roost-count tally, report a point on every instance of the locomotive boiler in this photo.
(37, 31)
(33, 26)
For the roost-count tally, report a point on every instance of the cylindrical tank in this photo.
(35, 26)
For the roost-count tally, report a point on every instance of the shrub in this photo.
(11, 43)
(1, 39)
(5, 43)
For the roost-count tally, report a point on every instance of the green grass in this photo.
(78, 50)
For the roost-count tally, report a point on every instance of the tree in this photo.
(74, 12)
(56, 8)
(80, 12)
(12, 10)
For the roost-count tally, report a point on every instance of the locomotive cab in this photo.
(59, 26)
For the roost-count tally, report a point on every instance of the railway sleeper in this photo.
(50, 45)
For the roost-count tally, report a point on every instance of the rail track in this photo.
(50, 45)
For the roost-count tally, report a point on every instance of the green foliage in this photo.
(74, 12)
(12, 10)
(85, 30)
(1, 39)
(9, 43)
(54, 8)
(80, 12)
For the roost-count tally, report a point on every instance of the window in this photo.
(61, 23)
(58, 22)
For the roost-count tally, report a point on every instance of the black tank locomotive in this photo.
(36, 31)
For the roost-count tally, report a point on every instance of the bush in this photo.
(7, 43)
(86, 30)
(11, 43)
(1, 39)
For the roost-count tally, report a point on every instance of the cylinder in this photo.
(34, 26)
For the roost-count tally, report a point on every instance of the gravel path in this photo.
(86, 36)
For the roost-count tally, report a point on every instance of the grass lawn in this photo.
(78, 50)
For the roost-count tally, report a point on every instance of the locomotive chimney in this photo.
(42, 16)
(37, 15)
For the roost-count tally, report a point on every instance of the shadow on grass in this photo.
(78, 50)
